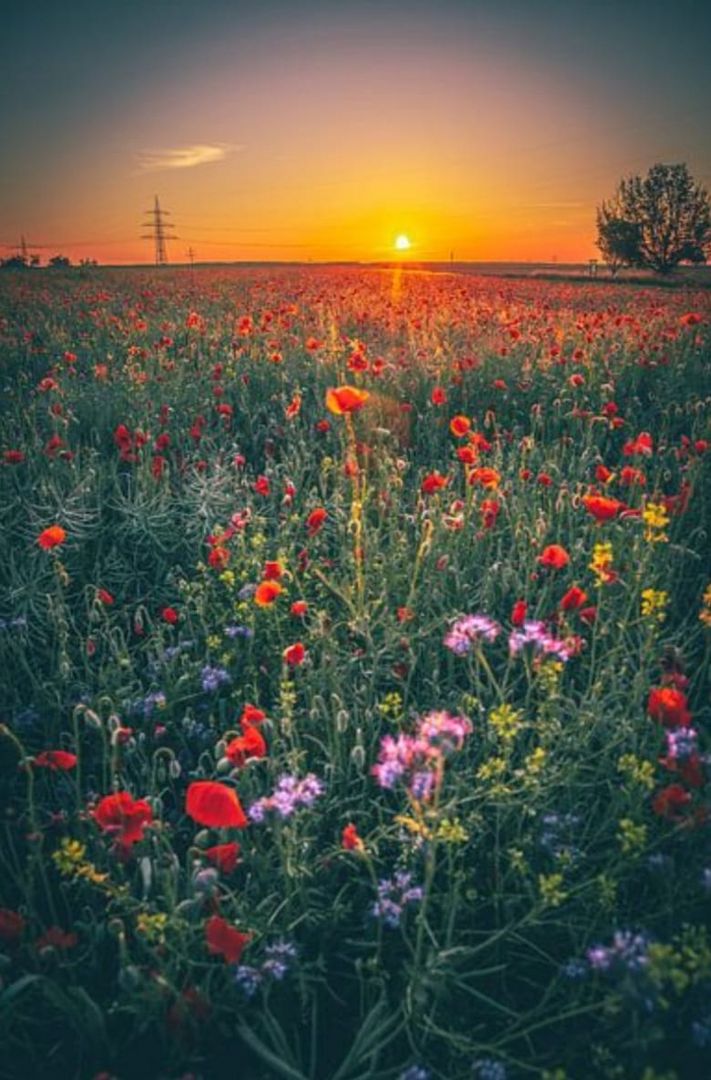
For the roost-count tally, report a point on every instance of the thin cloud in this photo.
(184, 157)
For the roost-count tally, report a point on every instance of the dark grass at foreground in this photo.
(433, 647)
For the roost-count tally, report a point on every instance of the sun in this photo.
(402, 243)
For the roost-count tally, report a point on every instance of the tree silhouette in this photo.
(656, 222)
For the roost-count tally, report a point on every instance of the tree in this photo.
(60, 262)
(14, 262)
(656, 222)
(617, 239)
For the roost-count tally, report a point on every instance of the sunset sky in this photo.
(297, 130)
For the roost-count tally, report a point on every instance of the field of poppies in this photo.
(354, 632)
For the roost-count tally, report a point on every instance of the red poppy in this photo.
(51, 537)
(345, 399)
(518, 613)
(251, 716)
(602, 508)
(643, 444)
(574, 598)
(690, 319)
(668, 802)
(405, 614)
(487, 477)
(12, 925)
(225, 940)
(299, 608)
(459, 426)
(588, 614)
(691, 769)
(123, 817)
(668, 706)
(56, 938)
(630, 476)
(315, 520)
(603, 474)
(249, 745)
(555, 556)
(438, 396)
(350, 840)
(468, 454)
(219, 557)
(294, 654)
(434, 481)
(489, 510)
(293, 407)
(224, 856)
(262, 485)
(57, 760)
(267, 592)
(13, 457)
(158, 464)
(169, 615)
(273, 571)
(104, 597)
(215, 805)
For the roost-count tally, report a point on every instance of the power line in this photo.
(159, 231)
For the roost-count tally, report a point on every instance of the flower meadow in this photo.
(354, 629)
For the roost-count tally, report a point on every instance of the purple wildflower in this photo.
(289, 795)
(415, 759)
(445, 731)
(213, 678)
(394, 894)
(534, 632)
(249, 979)
(681, 743)
(488, 1069)
(628, 953)
(468, 630)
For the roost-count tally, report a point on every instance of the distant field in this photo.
(354, 628)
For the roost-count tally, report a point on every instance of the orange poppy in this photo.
(668, 706)
(249, 745)
(555, 556)
(434, 481)
(51, 537)
(315, 520)
(345, 399)
(602, 508)
(487, 477)
(267, 593)
(459, 426)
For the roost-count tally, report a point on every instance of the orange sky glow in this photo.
(319, 139)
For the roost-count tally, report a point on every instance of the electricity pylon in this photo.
(159, 231)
